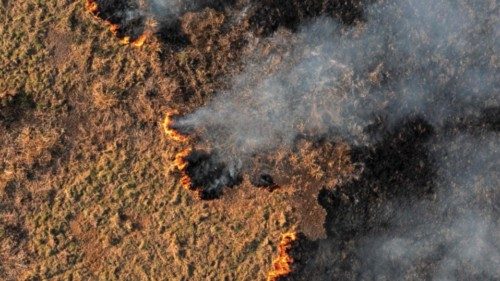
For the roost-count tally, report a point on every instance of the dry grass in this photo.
(83, 183)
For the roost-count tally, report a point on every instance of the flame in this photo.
(125, 40)
(186, 182)
(180, 159)
(93, 8)
(282, 264)
(114, 28)
(181, 164)
(171, 133)
(140, 40)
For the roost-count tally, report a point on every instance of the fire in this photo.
(136, 43)
(140, 40)
(186, 182)
(114, 28)
(93, 8)
(282, 264)
(171, 133)
(180, 159)
(125, 40)
(181, 164)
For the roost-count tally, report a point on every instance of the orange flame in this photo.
(93, 8)
(114, 28)
(282, 264)
(140, 40)
(125, 40)
(180, 159)
(171, 133)
(186, 182)
(181, 164)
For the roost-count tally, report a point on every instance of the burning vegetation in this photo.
(131, 28)
(349, 125)
(376, 121)
(207, 171)
(169, 129)
(282, 264)
(181, 161)
(295, 251)
(199, 170)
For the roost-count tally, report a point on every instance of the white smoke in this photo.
(168, 10)
(433, 59)
(456, 235)
(436, 59)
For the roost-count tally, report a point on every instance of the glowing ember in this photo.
(180, 159)
(186, 181)
(282, 264)
(114, 28)
(91, 6)
(125, 40)
(140, 41)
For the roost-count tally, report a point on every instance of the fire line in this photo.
(282, 265)
(180, 161)
(93, 8)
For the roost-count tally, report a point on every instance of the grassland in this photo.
(86, 186)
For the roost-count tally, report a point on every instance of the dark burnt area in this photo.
(131, 18)
(126, 14)
(399, 171)
(171, 34)
(264, 180)
(14, 107)
(487, 119)
(302, 250)
(272, 14)
(265, 16)
(398, 168)
(209, 176)
(490, 118)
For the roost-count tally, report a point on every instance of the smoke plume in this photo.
(133, 19)
(430, 59)
(453, 236)
(412, 87)
(395, 228)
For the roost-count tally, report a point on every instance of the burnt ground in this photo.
(86, 187)
(396, 197)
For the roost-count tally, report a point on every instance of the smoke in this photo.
(137, 17)
(425, 208)
(166, 11)
(453, 236)
(434, 59)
